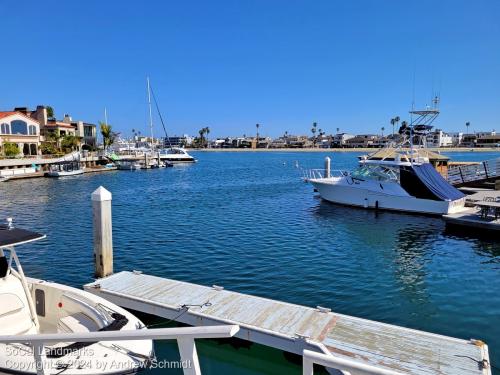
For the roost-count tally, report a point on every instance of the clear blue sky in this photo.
(231, 64)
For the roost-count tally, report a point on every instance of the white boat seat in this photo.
(15, 318)
(73, 304)
(77, 323)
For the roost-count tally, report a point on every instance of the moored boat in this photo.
(176, 155)
(64, 169)
(398, 178)
(128, 165)
(36, 307)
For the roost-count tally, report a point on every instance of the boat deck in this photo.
(294, 328)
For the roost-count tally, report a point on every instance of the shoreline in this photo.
(369, 150)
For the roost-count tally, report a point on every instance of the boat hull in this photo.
(96, 358)
(388, 196)
(175, 160)
(64, 173)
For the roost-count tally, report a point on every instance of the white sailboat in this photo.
(402, 180)
(34, 307)
(173, 155)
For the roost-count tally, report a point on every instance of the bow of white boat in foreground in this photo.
(33, 308)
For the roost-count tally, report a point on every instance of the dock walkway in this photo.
(294, 328)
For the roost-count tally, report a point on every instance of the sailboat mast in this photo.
(150, 115)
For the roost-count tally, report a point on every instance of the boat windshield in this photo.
(175, 151)
(376, 172)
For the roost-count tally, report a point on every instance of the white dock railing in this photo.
(344, 365)
(185, 339)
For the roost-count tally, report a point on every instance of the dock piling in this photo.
(103, 232)
(327, 167)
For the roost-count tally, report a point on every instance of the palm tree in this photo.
(257, 126)
(108, 136)
(313, 131)
(393, 122)
(338, 130)
(201, 132)
(207, 131)
(50, 111)
(382, 128)
(396, 119)
(467, 124)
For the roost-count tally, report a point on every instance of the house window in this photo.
(19, 127)
(33, 150)
(32, 130)
(4, 129)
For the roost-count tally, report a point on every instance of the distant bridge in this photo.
(485, 171)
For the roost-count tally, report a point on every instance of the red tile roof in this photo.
(6, 114)
(10, 113)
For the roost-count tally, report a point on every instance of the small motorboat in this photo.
(33, 307)
(4, 178)
(128, 165)
(65, 168)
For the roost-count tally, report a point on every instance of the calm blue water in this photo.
(247, 222)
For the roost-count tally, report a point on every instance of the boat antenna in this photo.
(150, 114)
(161, 117)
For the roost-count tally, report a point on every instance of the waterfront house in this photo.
(178, 141)
(340, 139)
(279, 142)
(22, 130)
(439, 138)
(488, 139)
(363, 141)
(87, 132)
(50, 127)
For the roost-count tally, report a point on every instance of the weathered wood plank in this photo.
(392, 347)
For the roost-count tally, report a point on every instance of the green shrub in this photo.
(10, 149)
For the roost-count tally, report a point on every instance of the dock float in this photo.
(471, 220)
(295, 328)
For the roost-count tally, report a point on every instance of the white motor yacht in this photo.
(413, 186)
(32, 307)
(402, 180)
(176, 155)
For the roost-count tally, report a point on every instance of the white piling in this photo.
(103, 232)
(327, 167)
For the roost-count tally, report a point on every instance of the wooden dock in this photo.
(294, 328)
(472, 220)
